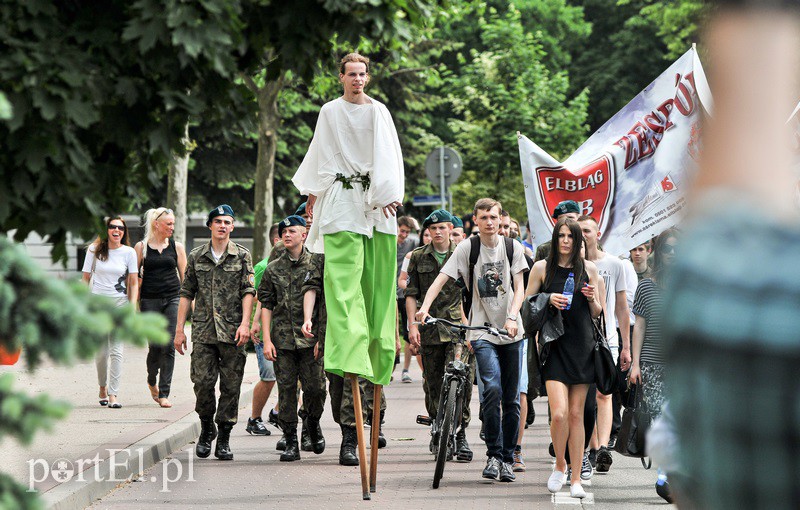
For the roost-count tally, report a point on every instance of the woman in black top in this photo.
(647, 366)
(162, 263)
(568, 367)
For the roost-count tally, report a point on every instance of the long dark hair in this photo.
(658, 269)
(574, 257)
(101, 243)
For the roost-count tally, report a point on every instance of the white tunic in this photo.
(352, 139)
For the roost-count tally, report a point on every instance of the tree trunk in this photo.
(268, 123)
(176, 189)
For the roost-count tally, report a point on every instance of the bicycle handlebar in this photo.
(457, 325)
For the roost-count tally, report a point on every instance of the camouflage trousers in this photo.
(212, 361)
(342, 406)
(434, 361)
(291, 367)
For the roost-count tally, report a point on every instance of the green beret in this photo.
(567, 206)
(220, 210)
(293, 220)
(437, 216)
(457, 223)
(301, 210)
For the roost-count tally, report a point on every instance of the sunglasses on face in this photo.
(668, 249)
(117, 227)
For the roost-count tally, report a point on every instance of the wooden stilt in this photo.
(376, 427)
(362, 444)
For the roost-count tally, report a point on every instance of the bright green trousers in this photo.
(360, 295)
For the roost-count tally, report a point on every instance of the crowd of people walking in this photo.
(347, 287)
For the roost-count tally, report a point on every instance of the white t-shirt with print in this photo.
(493, 286)
(110, 276)
(613, 274)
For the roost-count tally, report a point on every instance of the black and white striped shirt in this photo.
(648, 304)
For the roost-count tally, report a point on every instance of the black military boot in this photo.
(305, 438)
(208, 432)
(463, 452)
(347, 453)
(292, 451)
(315, 436)
(281, 444)
(223, 449)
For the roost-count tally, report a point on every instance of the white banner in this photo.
(630, 174)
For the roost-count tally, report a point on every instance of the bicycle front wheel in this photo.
(445, 432)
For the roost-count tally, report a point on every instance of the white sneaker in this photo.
(576, 491)
(556, 481)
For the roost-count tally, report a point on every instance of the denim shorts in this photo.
(266, 372)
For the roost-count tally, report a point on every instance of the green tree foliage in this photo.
(498, 87)
(101, 94)
(631, 43)
(677, 22)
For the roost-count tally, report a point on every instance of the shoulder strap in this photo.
(474, 253)
(509, 253)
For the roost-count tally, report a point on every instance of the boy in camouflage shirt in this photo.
(296, 357)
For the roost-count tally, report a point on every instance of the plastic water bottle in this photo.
(569, 289)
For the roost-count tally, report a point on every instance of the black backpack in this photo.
(474, 253)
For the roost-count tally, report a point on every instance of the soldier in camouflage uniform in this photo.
(296, 356)
(343, 410)
(341, 392)
(435, 341)
(219, 278)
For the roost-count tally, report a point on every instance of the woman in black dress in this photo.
(568, 363)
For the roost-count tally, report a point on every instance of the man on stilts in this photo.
(353, 176)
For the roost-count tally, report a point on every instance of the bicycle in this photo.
(455, 384)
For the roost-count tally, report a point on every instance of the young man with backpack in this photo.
(492, 268)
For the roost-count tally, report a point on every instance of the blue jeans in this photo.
(499, 373)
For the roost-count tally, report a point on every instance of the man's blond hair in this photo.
(353, 57)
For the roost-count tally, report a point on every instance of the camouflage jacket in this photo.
(423, 268)
(316, 283)
(217, 290)
(277, 251)
(542, 251)
(283, 285)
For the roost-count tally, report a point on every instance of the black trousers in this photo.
(161, 358)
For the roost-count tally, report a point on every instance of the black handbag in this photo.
(635, 424)
(605, 370)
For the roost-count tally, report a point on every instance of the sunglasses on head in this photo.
(162, 213)
(117, 227)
